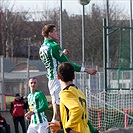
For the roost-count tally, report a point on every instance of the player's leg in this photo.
(32, 128)
(56, 106)
(15, 121)
(22, 123)
(54, 87)
(42, 128)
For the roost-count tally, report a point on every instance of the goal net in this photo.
(113, 109)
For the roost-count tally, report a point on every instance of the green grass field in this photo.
(49, 111)
(11, 98)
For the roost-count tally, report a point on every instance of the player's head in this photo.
(49, 31)
(17, 96)
(33, 83)
(65, 72)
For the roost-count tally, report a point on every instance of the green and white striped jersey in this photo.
(52, 55)
(38, 102)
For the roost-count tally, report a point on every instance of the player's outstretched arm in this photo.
(91, 71)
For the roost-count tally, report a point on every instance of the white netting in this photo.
(112, 109)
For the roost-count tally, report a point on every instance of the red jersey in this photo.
(17, 108)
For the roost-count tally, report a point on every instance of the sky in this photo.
(71, 6)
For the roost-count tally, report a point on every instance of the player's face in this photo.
(54, 34)
(17, 98)
(33, 84)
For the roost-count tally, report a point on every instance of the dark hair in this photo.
(46, 29)
(66, 72)
(17, 94)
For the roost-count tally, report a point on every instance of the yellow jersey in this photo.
(73, 109)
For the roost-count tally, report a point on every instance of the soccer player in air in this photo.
(52, 55)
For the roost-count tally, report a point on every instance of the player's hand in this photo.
(54, 126)
(28, 118)
(29, 113)
(66, 51)
(91, 71)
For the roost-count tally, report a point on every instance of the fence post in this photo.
(126, 118)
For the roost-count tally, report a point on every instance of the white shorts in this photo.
(38, 128)
(54, 88)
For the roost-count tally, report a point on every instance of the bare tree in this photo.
(94, 32)
(21, 29)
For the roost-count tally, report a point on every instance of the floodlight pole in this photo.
(131, 44)
(61, 23)
(83, 46)
(7, 35)
(83, 36)
(28, 66)
(83, 3)
(108, 53)
(2, 83)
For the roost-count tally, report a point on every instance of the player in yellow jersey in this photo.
(73, 106)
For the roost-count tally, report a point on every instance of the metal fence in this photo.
(104, 106)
